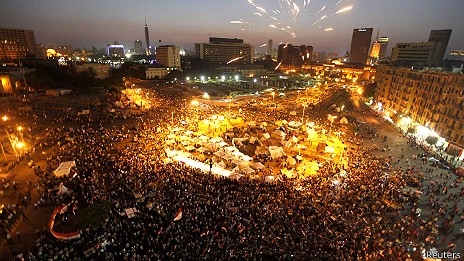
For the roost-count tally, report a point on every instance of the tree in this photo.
(369, 90)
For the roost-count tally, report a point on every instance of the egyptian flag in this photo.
(179, 214)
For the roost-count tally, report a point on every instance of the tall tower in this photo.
(360, 43)
(441, 39)
(147, 38)
(269, 48)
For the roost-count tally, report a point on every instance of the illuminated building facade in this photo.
(116, 50)
(375, 50)
(168, 56)
(293, 57)
(383, 48)
(360, 44)
(5, 83)
(221, 51)
(341, 72)
(431, 99)
(456, 55)
(16, 44)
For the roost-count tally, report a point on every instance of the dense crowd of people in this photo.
(350, 213)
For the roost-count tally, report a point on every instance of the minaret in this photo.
(147, 37)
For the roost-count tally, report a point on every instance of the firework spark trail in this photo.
(277, 67)
(290, 12)
(320, 19)
(235, 59)
(348, 8)
(322, 9)
(261, 9)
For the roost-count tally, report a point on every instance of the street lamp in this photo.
(4, 118)
(304, 107)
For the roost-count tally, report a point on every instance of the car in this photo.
(432, 159)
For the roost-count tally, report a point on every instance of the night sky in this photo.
(87, 23)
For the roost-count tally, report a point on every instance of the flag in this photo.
(179, 214)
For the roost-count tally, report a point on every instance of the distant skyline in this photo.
(88, 23)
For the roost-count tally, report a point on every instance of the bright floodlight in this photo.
(202, 78)
(195, 103)
(236, 77)
(19, 145)
(223, 77)
(20, 128)
(5, 118)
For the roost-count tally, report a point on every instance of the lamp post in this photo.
(304, 107)
(20, 129)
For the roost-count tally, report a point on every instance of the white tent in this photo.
(258, 165)
(279, 133)
(343, 121)
(62, 190)
(269, 179)
(248, 170)
(64, 168)
(202, 149)
(190, 148)
(276, 151)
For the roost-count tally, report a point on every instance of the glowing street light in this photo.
(236, 77)
(304, 107)
(20, 128)
(202, 78)
(4, 118)
(20, 145)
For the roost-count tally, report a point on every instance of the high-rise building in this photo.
(360, 44)
(115, 50)
(413, 53)
(383, 48)
(40, 52)
(375, 50)
(147, 38)
(269, 48)
(429, 53)
(294, 56)
(441, 39)
(16, 44)
(224, 51)
(168, 56)
(138, 47)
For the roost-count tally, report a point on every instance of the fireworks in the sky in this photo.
(284, 15)
(235, 59)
